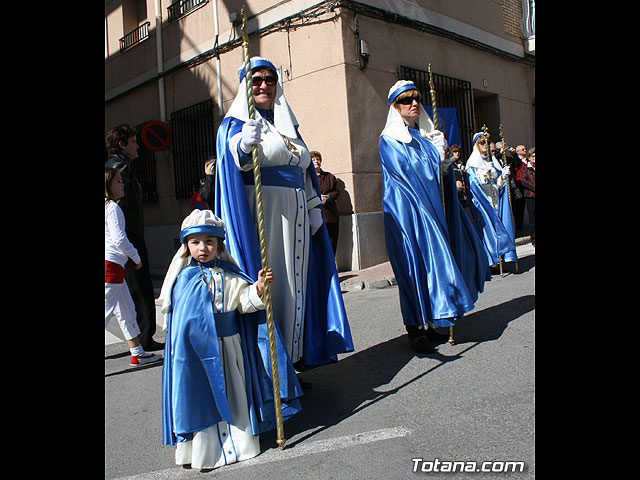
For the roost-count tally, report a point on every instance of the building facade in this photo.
(176, 62)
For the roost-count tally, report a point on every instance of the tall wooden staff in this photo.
(434, 112)
(504, 157)
(486, 135)
(262, 236)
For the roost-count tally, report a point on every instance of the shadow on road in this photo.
(133, 369)
(354, 383)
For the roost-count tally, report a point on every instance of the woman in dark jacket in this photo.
(330, 192)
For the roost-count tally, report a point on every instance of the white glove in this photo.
(506, 171)
(251, 134)
(437, 138)
(315, 220)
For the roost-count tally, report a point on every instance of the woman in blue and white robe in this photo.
(489, 203)
(435, 253)
(307, 301)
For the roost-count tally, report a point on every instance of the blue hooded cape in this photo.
(326, 329)
(193, 382)
(439, 262)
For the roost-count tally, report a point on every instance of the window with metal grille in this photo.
(194, 140)
(144, 168)
(450, 93)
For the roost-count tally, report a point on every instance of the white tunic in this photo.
(287, 231)
(489, 175)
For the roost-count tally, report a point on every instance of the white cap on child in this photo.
(198, 221)
(201, 221)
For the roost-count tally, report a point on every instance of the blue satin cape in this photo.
(494, 227)
(193, 383)
(326, 329)
(439, 263)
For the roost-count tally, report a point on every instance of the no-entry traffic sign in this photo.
(156, 136)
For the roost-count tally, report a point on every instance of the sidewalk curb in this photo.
(383, 280)
(389, 279)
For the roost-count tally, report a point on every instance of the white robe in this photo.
(286, 217)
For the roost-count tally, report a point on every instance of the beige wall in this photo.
(341, 109)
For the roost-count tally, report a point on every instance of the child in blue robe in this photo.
(215, 385)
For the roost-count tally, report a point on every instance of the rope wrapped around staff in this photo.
(485, 133)
(504, 158)
(434, 113)
(262, 237)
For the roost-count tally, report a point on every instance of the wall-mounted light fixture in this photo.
(362, 47)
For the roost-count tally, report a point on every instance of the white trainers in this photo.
(137, 360)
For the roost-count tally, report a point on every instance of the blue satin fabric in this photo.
(226, 323)
(465, 243)
(289, 176)
(193, 383)
(494, 227)
(326, 328)
(435, 262)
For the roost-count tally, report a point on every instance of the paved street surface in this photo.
(382, 411)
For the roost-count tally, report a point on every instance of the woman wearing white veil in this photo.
(489, 203)
(436, 255)
(307, 301)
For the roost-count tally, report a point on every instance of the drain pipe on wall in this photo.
(159, 55)
(218, 73)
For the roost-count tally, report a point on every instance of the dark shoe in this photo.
(421, 344)
(435, 335)
(152, 346)
(304, 384)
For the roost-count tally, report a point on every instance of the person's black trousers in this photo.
(141, 288)
(531, 209)
(333, 229)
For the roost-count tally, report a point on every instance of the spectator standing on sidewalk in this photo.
(528, 180)
(329, 194)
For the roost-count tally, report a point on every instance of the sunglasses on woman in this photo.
(408, 100)
(269, 80)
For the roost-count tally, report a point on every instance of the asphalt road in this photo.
(382, 411)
